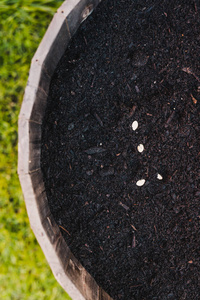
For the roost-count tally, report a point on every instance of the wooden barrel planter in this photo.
(66, 268)
(109, 149)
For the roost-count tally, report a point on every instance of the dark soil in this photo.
(131, 60)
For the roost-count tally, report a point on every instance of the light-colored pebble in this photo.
(71, 126)
(89, 172)
(140, 182)
(140, 148)
(135, 125)
(159, 177)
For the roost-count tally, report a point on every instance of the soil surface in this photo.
(130, 61)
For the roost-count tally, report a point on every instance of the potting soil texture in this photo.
(131, 214)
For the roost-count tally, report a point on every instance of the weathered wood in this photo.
(66, 268)
(103, 295)
(82, 10)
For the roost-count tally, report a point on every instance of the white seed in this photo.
(140, 148)
(140, 182)
(159, 177)
(134, 125)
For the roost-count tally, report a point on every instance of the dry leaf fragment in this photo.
(193, 99)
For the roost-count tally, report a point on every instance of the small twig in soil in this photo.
(133, 227)
(96, 116)
(101, 248)
(195, 6)
(129, 87)
(133, 241)
(173, 174)
(92, 82)
(189, 71)
(124, 206)
(137, 89)
(170, 118)
(132, 111)
(95, 150)
(88, 248)
(107, 171)
(98, 119)
(65, 230)
(85, 40)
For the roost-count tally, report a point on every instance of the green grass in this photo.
(24, 272)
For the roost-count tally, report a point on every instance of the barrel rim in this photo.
(68, 271)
